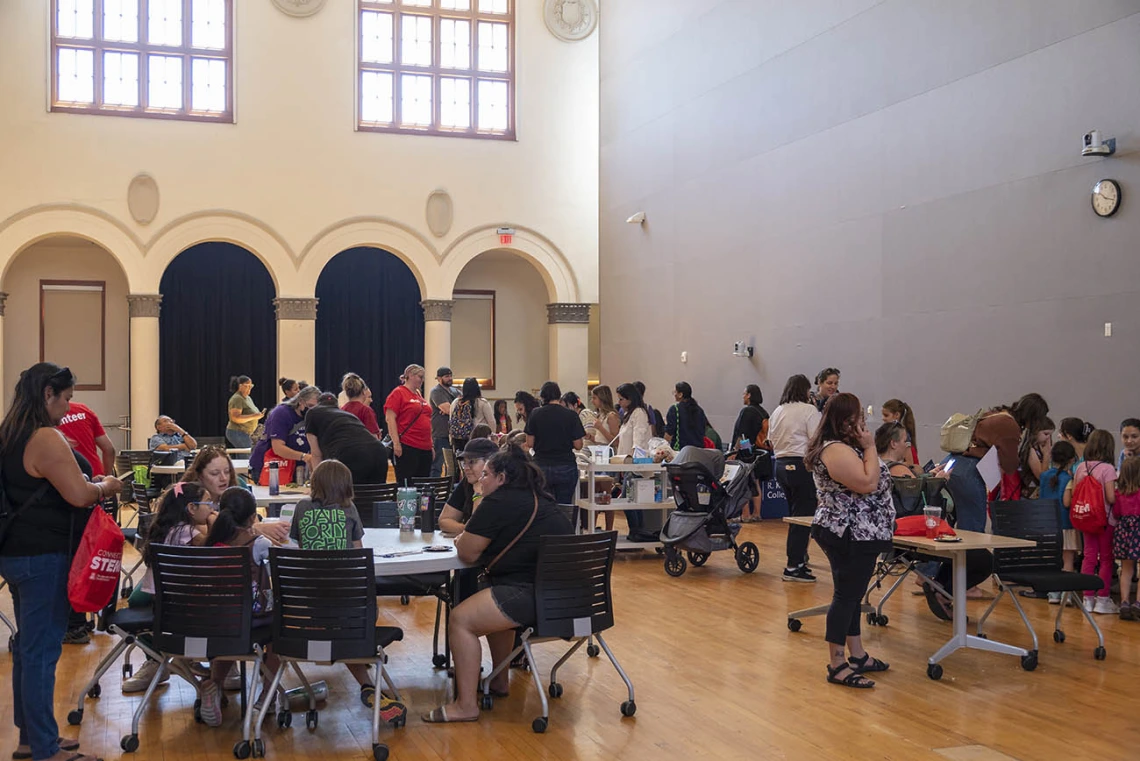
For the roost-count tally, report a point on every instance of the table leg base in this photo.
(976, 643)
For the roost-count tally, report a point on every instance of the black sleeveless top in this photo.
(49, 525)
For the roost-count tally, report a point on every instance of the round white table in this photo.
(240, 466)
(402, 553)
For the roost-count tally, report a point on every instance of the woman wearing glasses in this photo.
(49, 497)
(214, 471)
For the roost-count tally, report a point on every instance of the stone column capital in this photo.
(144, 304)
(3, 298)
(437, 310)
(567, 313)
(290, 308)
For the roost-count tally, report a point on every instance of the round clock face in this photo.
(1106, 198)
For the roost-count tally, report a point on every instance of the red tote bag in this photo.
(94, 575)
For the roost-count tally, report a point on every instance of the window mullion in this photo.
(188, 46)
(397, 78)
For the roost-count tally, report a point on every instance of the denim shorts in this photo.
(516, 602)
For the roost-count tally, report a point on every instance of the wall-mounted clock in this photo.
(1106, 198)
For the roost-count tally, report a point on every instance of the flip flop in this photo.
(439, 716)
(65, 743)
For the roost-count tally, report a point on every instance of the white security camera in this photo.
(637, 218)
(1095, 146)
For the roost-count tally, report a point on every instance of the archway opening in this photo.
(369, 321)
(217, 321)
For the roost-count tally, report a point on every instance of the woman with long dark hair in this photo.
(898, 411)
(554, 434)
(502, 536)
(791, 427)
(48, 496)
(634, 433)
(502, 418)
(685, 423)
(752, 427)
(853, 524)
(1076, 432)
(468, 411)
(525, 403)
(243, 413)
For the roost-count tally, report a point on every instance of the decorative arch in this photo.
(373, 232)
(51, 221)
(224, 227)
(561, 284)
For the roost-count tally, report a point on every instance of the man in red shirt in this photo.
(85, 434)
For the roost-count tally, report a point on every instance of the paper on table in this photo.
(989, 469)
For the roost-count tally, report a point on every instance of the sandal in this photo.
(439, 716)
(867, 664)
(939, 606)
(853, 679)
(65, 743)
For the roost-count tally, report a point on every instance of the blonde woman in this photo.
(408, 416)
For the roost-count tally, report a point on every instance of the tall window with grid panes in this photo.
(437, 67)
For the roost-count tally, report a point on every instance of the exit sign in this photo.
(506, 236)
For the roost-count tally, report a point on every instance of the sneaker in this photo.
(211, 704)
(1128, 611)
(1054, 598)
(1105, 606)
(200, 670)
(1089, 602)
(392, 711)
(801, 574)
(140, 680)
(79, 636)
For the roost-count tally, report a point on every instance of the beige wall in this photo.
(68, 260)
(521, 340)
(892, 188)
(291, 180)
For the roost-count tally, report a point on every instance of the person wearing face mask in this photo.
(284, 440)
(826, 386)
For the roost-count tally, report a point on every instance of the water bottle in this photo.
(427, 513)
(299, 697)
(407, 501)
(300, 474)
(274, 479)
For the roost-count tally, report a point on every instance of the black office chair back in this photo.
(440, 487)
(379, 515)
(143, 496)
(135, 457)
(122, 465)
(366, 494)
(1038, 520)
(203, 600)
(325, 603)
(695, 489)
(145, 522)
(572, 584)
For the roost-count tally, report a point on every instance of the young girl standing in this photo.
(1053, 484)
(1126, 540)
(1099, 456)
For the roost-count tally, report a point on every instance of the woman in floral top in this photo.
(853, 524)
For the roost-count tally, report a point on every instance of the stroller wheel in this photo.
(748, 557)
(698, 559)
(675, 564)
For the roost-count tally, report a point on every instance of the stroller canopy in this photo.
(712, 459)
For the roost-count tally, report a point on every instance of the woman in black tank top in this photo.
(39, 527)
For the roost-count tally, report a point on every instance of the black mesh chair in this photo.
(326, 614)
(136, 537)
(126, 624)
(376, 504)
(1039, 567)
(574, 603)
(364, 494)
(203, 609)
(440, 488)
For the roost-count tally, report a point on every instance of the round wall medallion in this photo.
(299, 8)
(439, 213)
(571, 20)
(142, 199)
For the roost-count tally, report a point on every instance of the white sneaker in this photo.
(1054, 598)
(140, 680)
(1105, 606)
(1089, 602)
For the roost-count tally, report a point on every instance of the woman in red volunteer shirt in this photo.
(408, 416)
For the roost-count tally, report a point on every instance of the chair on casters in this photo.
(203, 609)
(326, 614)
(1038, 568)
(364, 495)
(574, 603)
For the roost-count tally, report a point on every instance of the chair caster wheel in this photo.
(934, 671)
(312, 719)
(794, 624)
(259, 748)
(242, 749)
(1058, 636)
(380, 752)
(539, 725)
(555, 690)
(129, 743)
(75, 717)
(1029, 661)
(1100, 653)
(126, 591)
(284, 719)
(593, 651)
(95, 691)
(405, 600)
(439, 661)
(882, 619)
(628, 708)
(486, 702)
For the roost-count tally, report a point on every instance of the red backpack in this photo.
(1088, 512)
(94, 575)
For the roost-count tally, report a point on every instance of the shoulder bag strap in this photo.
(514, 541)
(417, 417)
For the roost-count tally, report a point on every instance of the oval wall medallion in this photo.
(439, 213)
(142, 199)
(571, 20)
(299, 8)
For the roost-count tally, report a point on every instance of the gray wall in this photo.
(893, 188)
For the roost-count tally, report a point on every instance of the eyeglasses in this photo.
(210, 505)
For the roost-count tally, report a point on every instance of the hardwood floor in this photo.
(717, 673)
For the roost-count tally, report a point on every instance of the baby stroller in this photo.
(699, 526)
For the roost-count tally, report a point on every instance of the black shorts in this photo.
(516, 602)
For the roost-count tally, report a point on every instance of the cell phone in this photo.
(929, 466)
(949, 465)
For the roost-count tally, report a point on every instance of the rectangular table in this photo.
(956, 552)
